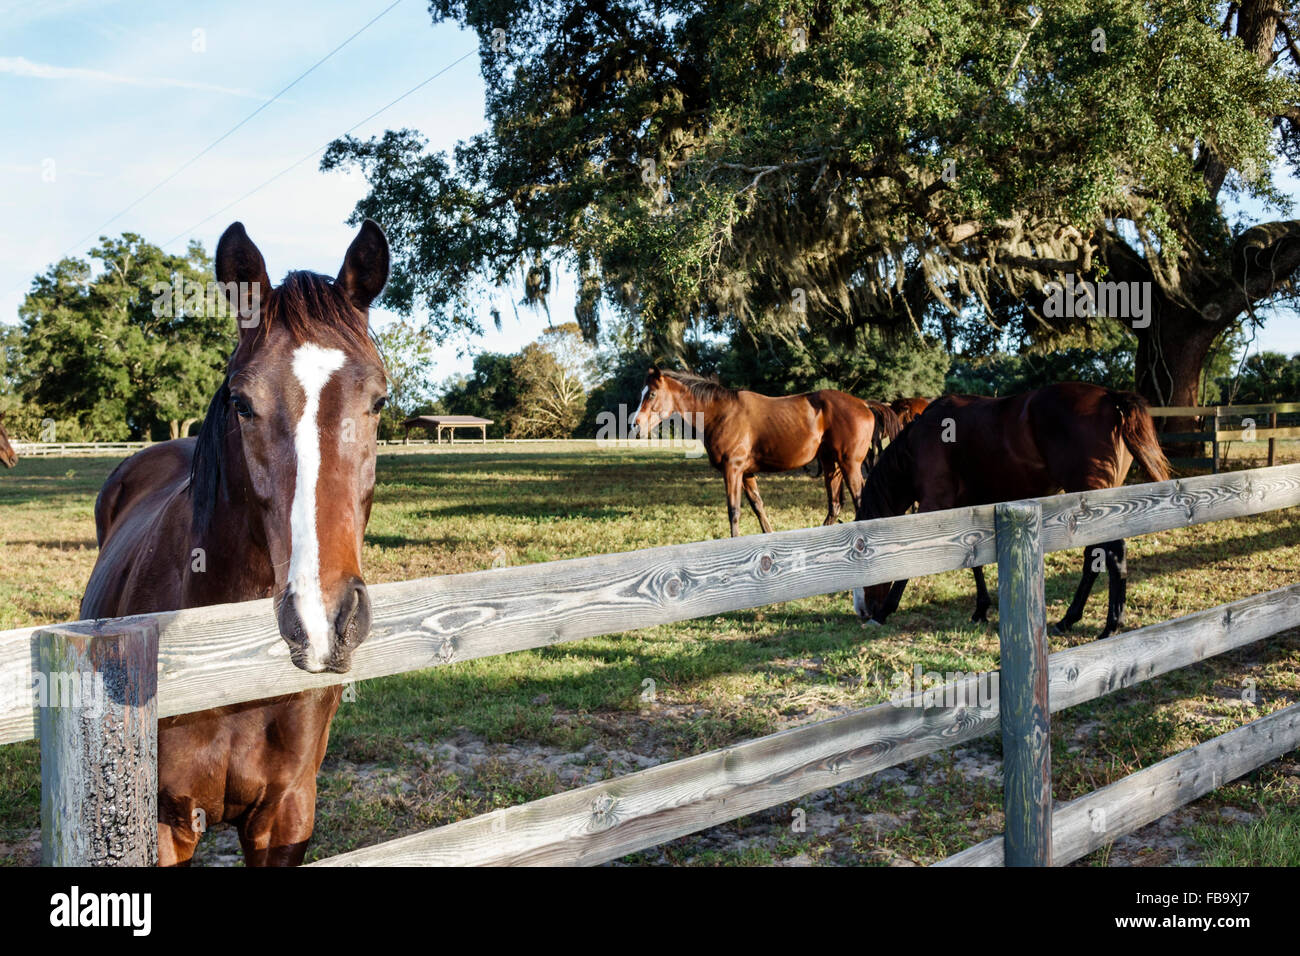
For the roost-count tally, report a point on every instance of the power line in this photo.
(319, 149)
(203, 152)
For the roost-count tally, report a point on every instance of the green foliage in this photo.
(404, 347)
(98, 349)
(869, 364)
(489, 391)
(701, 164)
(1265, 377)
(552, 375)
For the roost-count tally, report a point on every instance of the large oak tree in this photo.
(824, 164)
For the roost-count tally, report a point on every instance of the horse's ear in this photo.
(241, 270)
(652, 372)
(365, 267)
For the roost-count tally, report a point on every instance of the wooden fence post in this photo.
(1022, 686)
(97, 699)
(1214, 444)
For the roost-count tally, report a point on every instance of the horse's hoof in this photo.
(979, 617)
(871, 622)
(1059, 629)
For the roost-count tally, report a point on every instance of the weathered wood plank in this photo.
(1225, 411)
(1091, 517)
(1093, 670)
(1022, 689)
(99, 745)
(1259, 434)
(612, 818)
(1105, 815)
(712, 788)
(232, 653)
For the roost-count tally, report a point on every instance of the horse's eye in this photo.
(241, 406)
(380, 403)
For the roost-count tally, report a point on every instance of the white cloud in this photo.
(21, 66)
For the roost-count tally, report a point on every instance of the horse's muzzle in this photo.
(348, 626)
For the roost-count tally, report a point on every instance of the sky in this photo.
(102, 102)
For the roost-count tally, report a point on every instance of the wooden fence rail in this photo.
(220, 655)
(1214, 433)
(606, 820)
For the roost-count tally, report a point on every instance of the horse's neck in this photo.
(237, 565)
(699, 414)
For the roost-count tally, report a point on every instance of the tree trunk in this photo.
(1171, 355)
(174, 429)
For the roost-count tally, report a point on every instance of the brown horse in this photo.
(968, 450)
(746, 434)
(8, 457)
(270, 500)
(908, 408)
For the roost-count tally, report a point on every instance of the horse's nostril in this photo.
(352, 623)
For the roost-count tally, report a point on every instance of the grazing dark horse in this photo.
(746, 434)
(8, 457)
(968, 450)
(908, 408)
(270, 500)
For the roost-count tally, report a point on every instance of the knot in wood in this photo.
(860, 544)
(673, 587)
(765, 562)
(602, 810)
(446, 650)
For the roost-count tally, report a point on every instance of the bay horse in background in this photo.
(8, 457)
(908, 408)
(274, 494)
(970, 450)
(746, 434)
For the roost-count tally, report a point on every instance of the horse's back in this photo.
(135, 515)
(1060, 436)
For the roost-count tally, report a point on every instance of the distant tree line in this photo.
(99, 357)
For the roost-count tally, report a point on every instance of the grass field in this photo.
(424, 749)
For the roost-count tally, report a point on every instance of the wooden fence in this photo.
(102, 766)
(1213, 432)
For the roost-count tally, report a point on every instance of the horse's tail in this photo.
(1139, 433)
(887, 426)
(887, 420)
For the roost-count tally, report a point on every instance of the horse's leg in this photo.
(277, 835)
(1117, 575)
(735, 481)
(1091, 558)
(834, 476)
(853, 480)
(756, 502)
(982, 602)
(176, 844)
(892, 601)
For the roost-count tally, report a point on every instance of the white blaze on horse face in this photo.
(636, 427)
(313, 366)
